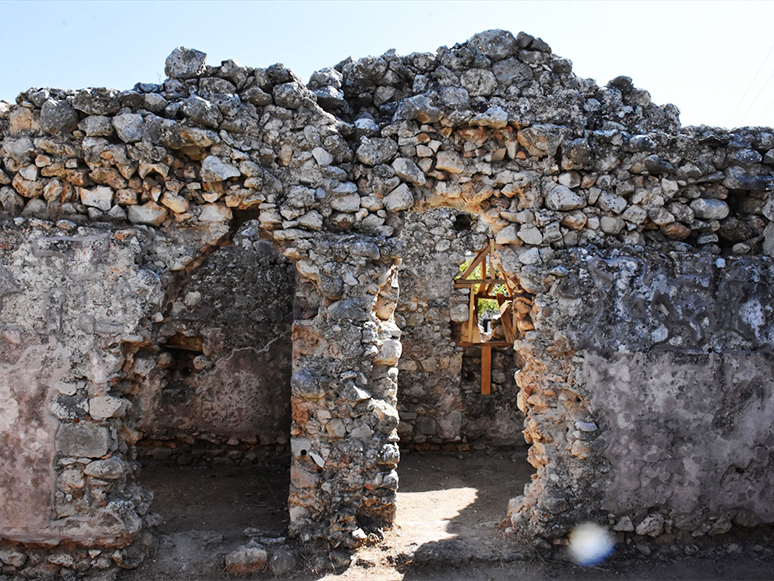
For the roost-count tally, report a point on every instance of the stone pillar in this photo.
(344, 387)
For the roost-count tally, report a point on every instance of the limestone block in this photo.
(83, 440)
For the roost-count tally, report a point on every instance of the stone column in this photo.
(344, 386)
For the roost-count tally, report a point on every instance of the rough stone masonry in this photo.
(643, 249)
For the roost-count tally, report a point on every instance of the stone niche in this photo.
(221, 386)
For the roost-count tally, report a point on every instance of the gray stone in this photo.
(303, 384)
(408, 171)
(420, 108)
(541, 140)
(652, 525)
(348, 203)
(373, 151)
(256, 96)
(129, 127)
(709, 209)
(58, 117)
(184, 63)
(511, 71)
(495, 44)
(478, 82)
(215, 169)
(83, 439)
(282, 561)
(149, 213)
(202, 111)
(564, 199)
(290, 95)
(96, 126)
(398, 199)
(109, 469)
(97, 101)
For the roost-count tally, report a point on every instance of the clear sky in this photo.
(701, 56)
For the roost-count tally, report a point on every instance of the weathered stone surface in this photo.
(214, 170)
(400, 198)
(184, 63)
(129, 127)
(88, 440)
(109, 469)
(246, 560)
(58, 117)
(564, 199)
(149, 213)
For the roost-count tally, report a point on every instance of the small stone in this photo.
(709, 209)
(96, 126)
(100, 197)
(322, 157)
(215, 213)
(215, 169)
(109, 469)
(508, 235)
(624, 525)
(202, 111)
(98, 101)
(494, 117)
(282, 561)
(246, 560)
(512, 70)
(398, 199)
(541, 140)
(184, 63)
(494, 44)
(389, 353)
(611, 224)
(449, 161)
(104, 406)
(129, 127)
(83, 440)
(531, 235)
(408, 171)
(58, 117)
(373, 151)
(178, 204)
(563, 199)
(478, 82)
(149, 213)
(652, 526)
(13, 558)
(349, 203)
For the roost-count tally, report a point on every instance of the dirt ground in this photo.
(449, 508)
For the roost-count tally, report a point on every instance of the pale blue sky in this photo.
(701, 56)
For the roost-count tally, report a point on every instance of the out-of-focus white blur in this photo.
(590, 544)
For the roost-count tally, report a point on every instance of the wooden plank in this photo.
(471, 281)
(476, 261)
(486, 369)
(490, 343)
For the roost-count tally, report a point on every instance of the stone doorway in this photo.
(215, 430)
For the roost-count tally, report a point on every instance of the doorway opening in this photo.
(462, 452)
(215, 427)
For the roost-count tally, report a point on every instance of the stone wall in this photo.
(222, 385)
(647, 393)
(598, 201)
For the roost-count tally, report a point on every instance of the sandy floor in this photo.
(449, 508)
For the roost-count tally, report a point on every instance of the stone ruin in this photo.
(230, 263)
